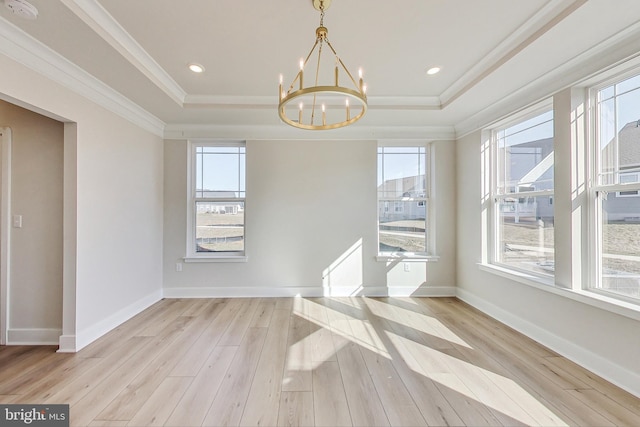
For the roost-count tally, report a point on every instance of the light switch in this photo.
(17, 221)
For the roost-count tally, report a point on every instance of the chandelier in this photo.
(326, 104)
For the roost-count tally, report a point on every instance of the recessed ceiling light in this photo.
(433, 70)
(22, 8)
(196, 68)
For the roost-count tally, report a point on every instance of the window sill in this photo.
(407, 258)
(218, 258)
(594, 299)
(518, 276)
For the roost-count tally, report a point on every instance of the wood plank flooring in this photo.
(314, 362)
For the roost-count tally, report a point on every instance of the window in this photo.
(617, 187)
(522, 189)
(217, 200)
(402, 200)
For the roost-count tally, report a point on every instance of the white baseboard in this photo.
(618, 375)
(89, 334)
(239, 292)
(67, 344)
(307, 291)
(33, 336)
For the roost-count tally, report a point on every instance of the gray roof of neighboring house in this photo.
(413, 185)
(629, 145)
(546, 145)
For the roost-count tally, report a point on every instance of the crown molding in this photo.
(99, 20)
(21, 47)
(404, 102)
(229, 101)
(269, 102)
(617, 51)
(282, 132)
(534, 28)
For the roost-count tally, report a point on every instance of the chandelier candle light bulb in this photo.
(348, 112)
(301, 72)
(361, 82)
(300, 113)
(280, 91)
(324, 116)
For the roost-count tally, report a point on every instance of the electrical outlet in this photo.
(178, 266)
(407, 266)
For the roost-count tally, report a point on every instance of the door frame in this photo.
(5, 232)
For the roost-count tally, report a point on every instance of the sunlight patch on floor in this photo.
(419, 322)
(426, 346)
(493, 390)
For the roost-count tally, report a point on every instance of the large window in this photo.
(402, 200)
(523, 207)
(217, 200)
(617, 187)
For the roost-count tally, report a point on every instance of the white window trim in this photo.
(430, 255)
(191, 255)
(588, 294)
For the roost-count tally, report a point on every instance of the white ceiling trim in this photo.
(405, 102)
(609, 54)
(282, 132)
(214, 101)
(545, 19)
(99, 20)
(269, 102)
(23, 48)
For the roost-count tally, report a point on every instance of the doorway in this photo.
(31, 227)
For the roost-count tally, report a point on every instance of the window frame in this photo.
(598, 191)
(220, 256)
(427, 199)
(496, 196)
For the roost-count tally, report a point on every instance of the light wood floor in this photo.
(314, 361)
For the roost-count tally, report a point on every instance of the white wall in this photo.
(600, 340)
(311, 225)
(35, 305)
(118, 205)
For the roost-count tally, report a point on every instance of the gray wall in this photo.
(311, 224)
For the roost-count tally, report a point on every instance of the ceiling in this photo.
(489, 51)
